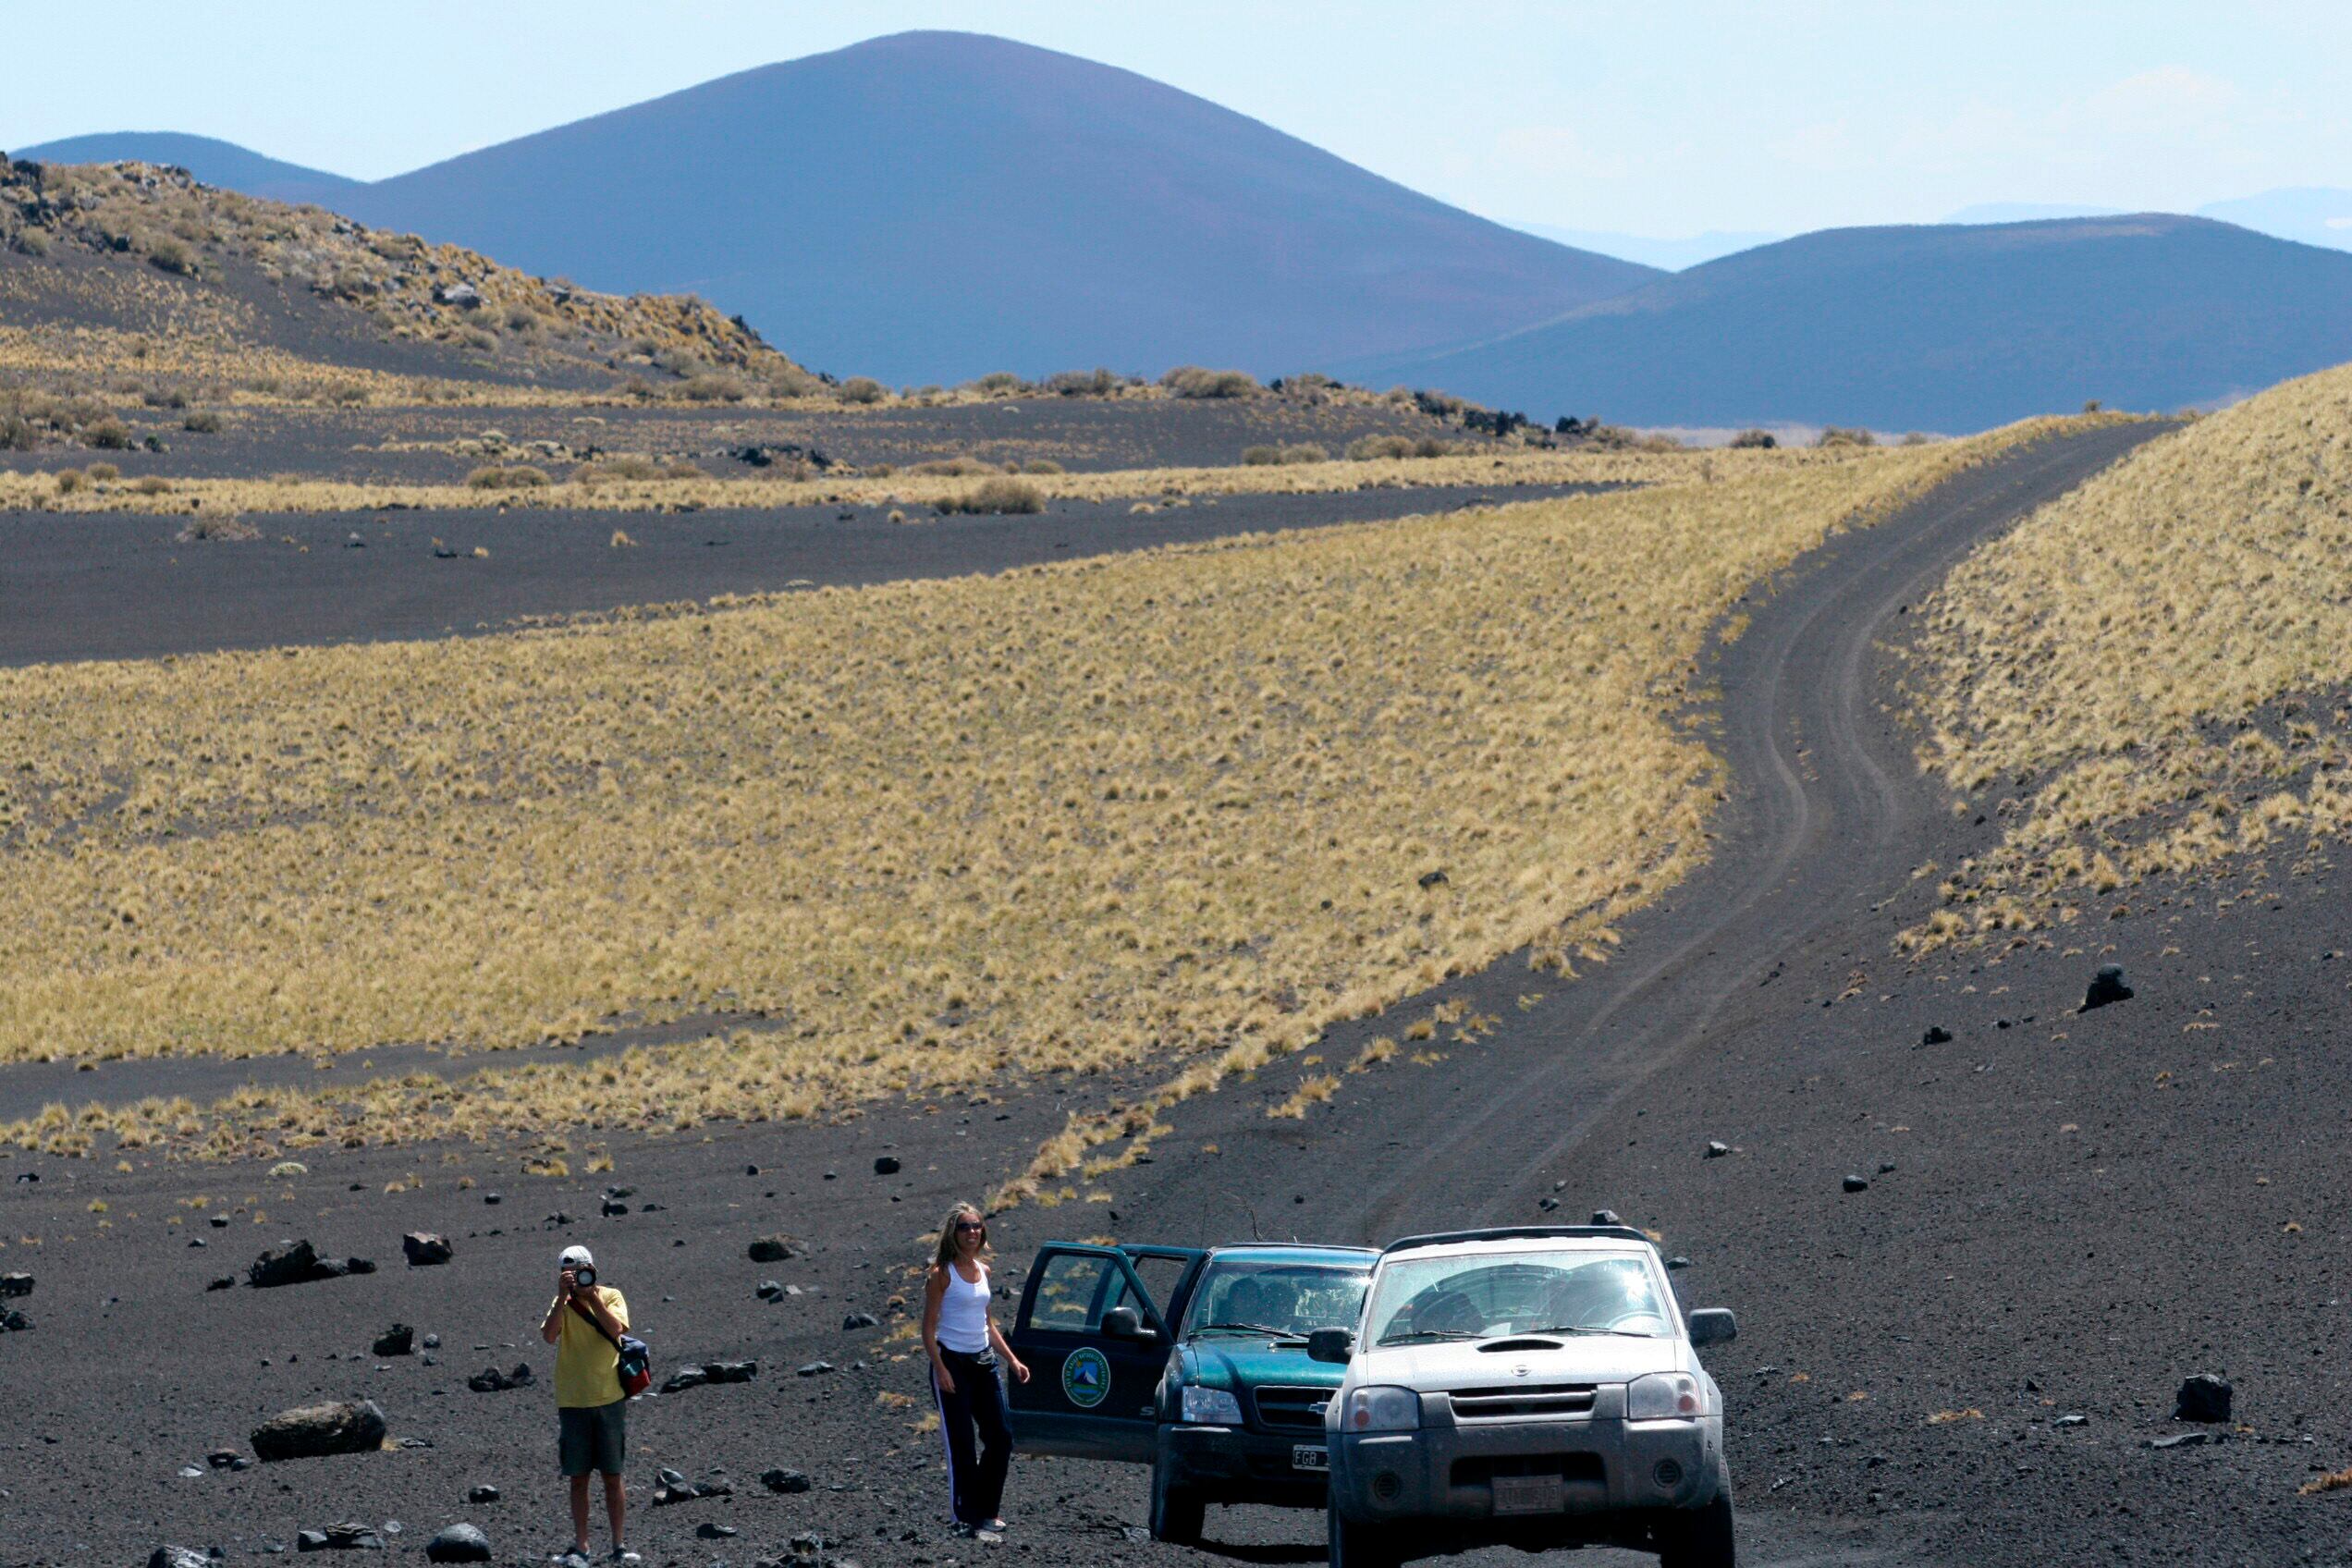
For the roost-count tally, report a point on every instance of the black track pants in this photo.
(975, 1482)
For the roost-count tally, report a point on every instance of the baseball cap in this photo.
(576, 1256)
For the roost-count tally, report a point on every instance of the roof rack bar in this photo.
(1517, 1232)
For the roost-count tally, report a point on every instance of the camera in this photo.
(583, 1276)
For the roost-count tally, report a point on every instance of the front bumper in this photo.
(1233, 1464)
(1604, 1464)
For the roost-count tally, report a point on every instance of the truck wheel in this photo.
(1702, 1537)
(1176, 1512)
(1356, 1546)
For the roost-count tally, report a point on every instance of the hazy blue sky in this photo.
(1657, 118)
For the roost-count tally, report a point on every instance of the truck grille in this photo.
(1481, 1471)
(1292, 1410)
(1517, 1402)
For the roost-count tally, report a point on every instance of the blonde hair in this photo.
(947, 1254)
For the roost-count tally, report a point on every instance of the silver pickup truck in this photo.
(1533, 1386)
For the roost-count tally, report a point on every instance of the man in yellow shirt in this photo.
(583, 1323)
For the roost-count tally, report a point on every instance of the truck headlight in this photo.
(1211, 1407)
(1662, 1396)
(1379, 1409)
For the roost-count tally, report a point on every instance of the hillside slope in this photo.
(133, 271)
(1942, 327)
(210, 159)
(934, 206)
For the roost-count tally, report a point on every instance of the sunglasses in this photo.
(971, 1225)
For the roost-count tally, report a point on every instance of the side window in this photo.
(1160, 1277)
(1069, 1293)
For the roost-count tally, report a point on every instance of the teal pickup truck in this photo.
(1191, 1361)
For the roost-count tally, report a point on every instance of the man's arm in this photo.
(551, 1326)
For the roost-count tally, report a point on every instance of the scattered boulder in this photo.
(811, 1368)
(1937, 1034)
(1716, 1150)
(769, 1289)
(784, 1481)
(459, 1543)
(2107, 986)
(614, 1207)
(425, 1249)
(886, 1165)
(14, 1322)
(481, 1494)
(774, 1249)
(2180, 1440)
(350, 1536)
(314, 1430)
(399, 1339)
(2072, 1421)
(1432, 879)
(859, 1320)
(296, 1263)
(225, 1283)
(1855, 1185)
(675, 1488)
(490, 1380)
(685, 1378)
(711, 1530)
(2203, 1398)
(710, 1372)
(1606, 1216)
(465, 296)
(224, 1459)
(1678, 1261)
(1547, 1203)
(433, 1341)
(177, 1557)
(22, 1285)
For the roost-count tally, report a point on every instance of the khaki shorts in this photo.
(593, 1437)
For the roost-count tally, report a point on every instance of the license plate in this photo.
(1305, 1456)
(1527, 1494)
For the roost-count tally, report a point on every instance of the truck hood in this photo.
(1582, 1358)
(1231, 1362)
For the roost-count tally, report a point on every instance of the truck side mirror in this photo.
(1334, 1345)
(1123, 1323)
(1712, 1326)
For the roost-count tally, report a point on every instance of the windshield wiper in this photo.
(1576, 1328)
(1434, 1334)
(1250, 1328)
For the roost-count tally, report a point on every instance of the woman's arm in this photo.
(935, 1290)
(996, 1337)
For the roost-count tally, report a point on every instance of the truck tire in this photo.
(1176, 1510)
(1701, 1538)
(1358, 1546)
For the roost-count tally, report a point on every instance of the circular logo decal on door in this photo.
(1086, 1377)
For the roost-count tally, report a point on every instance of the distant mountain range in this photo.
(934, 206)
(1939, 327)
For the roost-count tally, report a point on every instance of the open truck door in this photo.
(1095, 1338)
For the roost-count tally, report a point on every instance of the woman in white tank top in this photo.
(961, 1338)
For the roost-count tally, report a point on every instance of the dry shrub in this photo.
(1755, 440)
(515, 476)
(617, 466)
(1364, 448)
(1194, 381)
(151, 485)
(108, 436)
(1262, 456)
(713, 390)
(952, 468)
(996, 496)
(204, 422)
(1843, 435)
(862, 389)
(1042, 465)
(70, 480)
(105, 473)
(209, 528)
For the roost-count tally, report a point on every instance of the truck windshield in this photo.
(1486, 1295)
(1239, 1296)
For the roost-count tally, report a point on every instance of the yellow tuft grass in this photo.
(1171, 806)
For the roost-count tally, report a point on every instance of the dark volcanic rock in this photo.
(1855, 1185)
(773, 1249)
(2203, 1398)
(481, 1494)
(2107, 986)
(675, 1488)
(20, 1285)
(352, 1536)
(490, 1380)
(711, 1530)
(685, 1378)
(223, 1458)
(225, 1283)
(14, 1322)
(425, 1249)
(1606, 1216)
(177, 1557)
(811, 1368)
(769, 1289)
(710, 1372)
(886, 1165)
(399, 1339)
(860, 1320)
(1937, 1034)
(295, 1263)
(350, 1427)
(781, 1480)
(1717, 1150)
(459, 1543)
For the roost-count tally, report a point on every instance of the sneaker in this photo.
(965, 1532)
(996, 1525)
(625, 1558)
(575, 1555)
